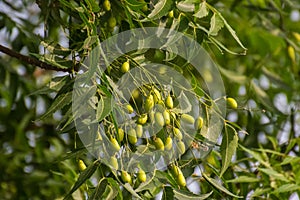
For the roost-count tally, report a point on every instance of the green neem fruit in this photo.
(115, 144)
(168, 143)
(181, 180)
(199, 123)
(169, 102)
(149, 103)
(232, 103)
(171, 14)
(189, 119)
(181, 147)
(145, 8)
(175, 170)
(142, 119)
(142, 176)
(167, 118)
(156, 95)
(125, 67)
(121, 134)
(158, 143)
(159, 119)
(81, 165)
(132, 136)
(114, 162)
(106, 5)
(129, 108)
(161, 102)
(112, 22)
(126, 177)
(139, 130)
(158, 55)
(177, 133)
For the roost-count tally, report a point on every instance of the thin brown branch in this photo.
(33, 61)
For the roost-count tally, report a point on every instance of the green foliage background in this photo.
(251, 40)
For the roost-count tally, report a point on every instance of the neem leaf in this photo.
(161, 8)
(216, 24)
(203, 11)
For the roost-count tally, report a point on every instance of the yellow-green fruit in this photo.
(156, 95)
(81, 165)
(189, 119)
(126, 177)
(114, 162)
(132, 136)
(167, 118)
(142, 119)
(161, 102)
(158, 143)
(149, 103)
(158, 55)
(125, 67)
(297, 36)
(199, 123)
(232, 103)
(115, 144)
(291, 53)
(159, 119)
(171, 14)
(145, 8)
(139, 130)
(181, 180)
(168, 143)
(142, 175)
(177, 133)
(169, 102)
(121, 134)
(106, 5)
(129, 108)
(112, 22)
(175, 170)
(181, 147)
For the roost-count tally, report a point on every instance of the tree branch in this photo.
(33, 61)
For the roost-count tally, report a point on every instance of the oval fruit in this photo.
(175, 170)
(120, 134)
(145, 8)
(139, 130)
(232, 103)
(115, 144)
(158, 55)
(142, 176)
(158, 143)
(156, 95)
(169, 102)
(181, 180)
(199, 123)
(112, 22)
(159, 119)
(168, 143)
(106, 5)
(129, 108)
(125, 67)
(132, 136)
(167, 118)
(149, 103)
(171, 14)
(181, 147)
(125, 177)
(189, 119)
(291, 53)
(142, 119)
(114, 162)
(177, 133)
(81, 165)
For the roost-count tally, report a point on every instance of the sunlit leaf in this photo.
(216, 24)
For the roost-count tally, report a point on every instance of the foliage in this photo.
(256, 45)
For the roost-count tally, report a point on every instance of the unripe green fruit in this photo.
(142, 176)
(166, 115)
(81, 165)
(149, 103)
(189, 119)
(129, 108)
(112, 22)
(106, 5)
(158, 55)
(159, 119)
(120, 134)
(169, 102)
(126, 177)
(175, 170)
(232, 103)
(168, 143)
(199, 123)
(115, 144)
(132, 136)
(177, 133)
(181, 180)
(142, 119)
(158, 143)
(139, 130)
(156, 95)
(125, 67)
(181, 147)
(114, 162)
(145, 8)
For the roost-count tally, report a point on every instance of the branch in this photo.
(33, 61)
